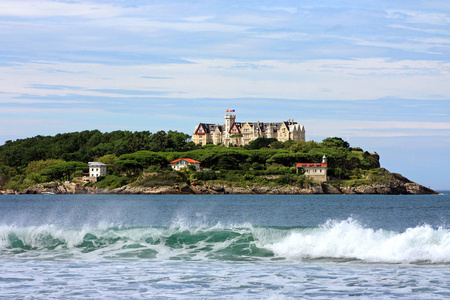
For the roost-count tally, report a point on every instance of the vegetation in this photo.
(142, 158)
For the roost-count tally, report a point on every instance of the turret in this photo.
(229, 120)
(324, 159)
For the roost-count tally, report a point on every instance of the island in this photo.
(125, 162)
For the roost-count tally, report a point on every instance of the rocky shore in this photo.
(323, 188)
(399, 186)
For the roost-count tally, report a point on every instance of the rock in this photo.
(392, 184)
(329, 189)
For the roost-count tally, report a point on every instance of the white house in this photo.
(184, 162)
(97, 169)
(317, 171)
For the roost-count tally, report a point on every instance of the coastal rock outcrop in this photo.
(395, 185)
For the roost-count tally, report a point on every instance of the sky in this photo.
(376, 73)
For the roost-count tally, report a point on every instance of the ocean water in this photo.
(224, 246)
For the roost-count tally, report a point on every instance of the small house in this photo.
(180, 163)
(317, 171)
(97, 169)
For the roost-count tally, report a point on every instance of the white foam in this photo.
(350, 240)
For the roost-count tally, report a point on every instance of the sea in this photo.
(225, 246)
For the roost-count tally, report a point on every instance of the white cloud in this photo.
(290, 10)
(321, 79)
(199, 18)
(421, 17)
(289, 36)
(144, 25)
(48, 8)
(356, 128)
(56, 112)
(256, 20)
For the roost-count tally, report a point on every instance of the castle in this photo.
(242, 133)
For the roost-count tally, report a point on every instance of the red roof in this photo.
(306, 165)
(189, 160)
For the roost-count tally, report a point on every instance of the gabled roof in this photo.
(189, 160)
(202, 128)
(235, 126)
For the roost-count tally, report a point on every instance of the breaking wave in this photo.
(334, 240)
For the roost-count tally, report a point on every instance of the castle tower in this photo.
(229, 120)
(324, 159)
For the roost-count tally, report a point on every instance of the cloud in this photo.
(54, 87)
(134, 93)
(358, 128)
(319, 79)
(48, 8)
(199, 18)
(290, 10)
(421, 17)
(289, 36)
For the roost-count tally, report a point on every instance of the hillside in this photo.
(139, 160)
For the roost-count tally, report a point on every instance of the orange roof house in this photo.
(317, 171)
(180, 163)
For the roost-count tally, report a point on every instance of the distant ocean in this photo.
(224, 246)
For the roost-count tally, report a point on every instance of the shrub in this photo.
(113, 181)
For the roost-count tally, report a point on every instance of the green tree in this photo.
(129, 166)
(110, 160)
(146, 158)
(335, 142)
(6, 173)
(40, 165)
(177, 140)
(64, 170)
(227, 162)
(261, 143)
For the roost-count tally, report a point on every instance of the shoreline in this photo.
(392, 188)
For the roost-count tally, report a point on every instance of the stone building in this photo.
(242, 133)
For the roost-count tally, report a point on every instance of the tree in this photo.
(146, 158)
(108, 159)
(261, 143)
(227, 163)
(158, 141)
(6, 173)
(177, 140)
(335, 142)
(64, 170)
(129, 166)
(41, 165)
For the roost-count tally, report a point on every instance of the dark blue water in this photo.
(394, 212)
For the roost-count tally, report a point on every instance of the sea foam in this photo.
(350, 240)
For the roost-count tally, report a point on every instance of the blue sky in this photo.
(376, 73)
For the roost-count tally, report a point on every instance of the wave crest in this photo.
(347, 240)
(350, 240)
